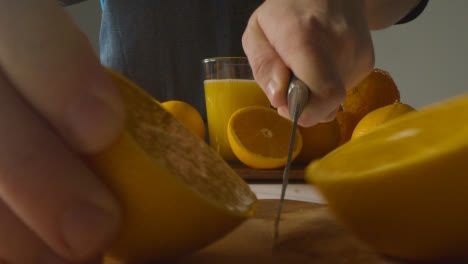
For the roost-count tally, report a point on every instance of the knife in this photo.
(298, 96)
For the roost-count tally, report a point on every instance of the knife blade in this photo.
(298, 96)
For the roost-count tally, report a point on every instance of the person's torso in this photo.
(159, 44)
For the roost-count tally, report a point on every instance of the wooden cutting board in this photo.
(308, 234)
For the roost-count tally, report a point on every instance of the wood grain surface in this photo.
(308, 234)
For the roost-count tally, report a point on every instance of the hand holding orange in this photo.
(177, 195)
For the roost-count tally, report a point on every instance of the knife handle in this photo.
(298, 96)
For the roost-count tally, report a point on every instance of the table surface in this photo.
(295, 191)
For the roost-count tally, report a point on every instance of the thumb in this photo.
(52, 64)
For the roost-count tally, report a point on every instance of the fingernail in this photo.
(271, 90)
(87, 229)
(95, 119)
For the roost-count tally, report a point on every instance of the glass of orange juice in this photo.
(229, 86)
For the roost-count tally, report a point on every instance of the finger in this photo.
(314, 65)
(284, 112)
(54, 67)
(307, 53)
(330, 117)
(269, 70)
(49, 188)
(22, 245)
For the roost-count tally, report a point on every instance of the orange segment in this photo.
(402, 188)
(260, 137)
(177, 195)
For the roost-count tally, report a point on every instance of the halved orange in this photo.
(260, 137)
(177, 194)
(402, 188)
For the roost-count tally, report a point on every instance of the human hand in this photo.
(56, 105)
(326, 43)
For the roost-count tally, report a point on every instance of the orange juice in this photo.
(223, 98)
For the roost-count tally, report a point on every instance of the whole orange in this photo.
(380, 116)
(318, 140)
(376, 90)
(187, 115)
(347, 122)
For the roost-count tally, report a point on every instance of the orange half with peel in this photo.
(402, 188)
(260, 137)
(177, 195)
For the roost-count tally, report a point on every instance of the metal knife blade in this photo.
(298, 96)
